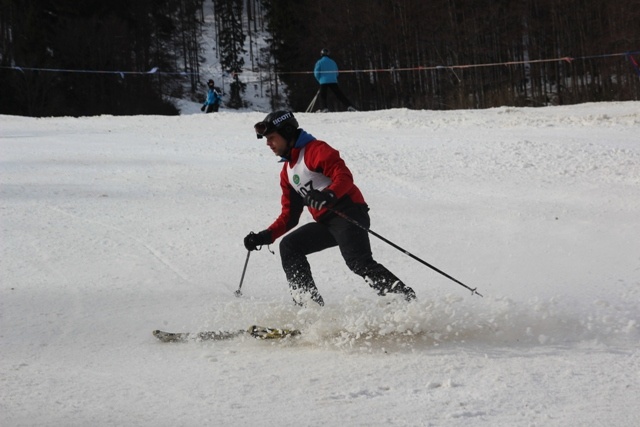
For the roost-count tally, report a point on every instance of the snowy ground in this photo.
(114, 226)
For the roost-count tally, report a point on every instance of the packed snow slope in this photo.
(112, 227)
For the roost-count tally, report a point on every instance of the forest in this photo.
(64, 57)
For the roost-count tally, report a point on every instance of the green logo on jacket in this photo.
(296, 179)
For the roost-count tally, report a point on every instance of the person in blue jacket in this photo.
(326, 73)
(212, 103)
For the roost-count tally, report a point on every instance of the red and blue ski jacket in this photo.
(319, 161)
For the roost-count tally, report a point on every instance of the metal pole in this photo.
(353, 221)
(244, 270)
(313, 102)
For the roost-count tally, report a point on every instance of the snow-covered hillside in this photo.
(258, 92)
(115, 226)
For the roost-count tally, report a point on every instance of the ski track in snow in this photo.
(130, 236)
(115, 226)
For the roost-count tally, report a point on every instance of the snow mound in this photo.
(358, 324)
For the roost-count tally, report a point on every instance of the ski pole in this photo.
(238, 293)
(313, 102)
(354, 222)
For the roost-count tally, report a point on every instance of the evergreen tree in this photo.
(231, 37)
(446, 54)
(290, 48)
(98, 39)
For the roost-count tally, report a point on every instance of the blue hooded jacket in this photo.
(326, 71)
(212, 97)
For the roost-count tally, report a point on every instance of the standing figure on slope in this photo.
(212, 103)
(315, 175)
(326, 73)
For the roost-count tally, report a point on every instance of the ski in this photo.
(200, 336)
(258, 332)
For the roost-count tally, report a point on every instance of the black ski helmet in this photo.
(324, 52)
(280, 121)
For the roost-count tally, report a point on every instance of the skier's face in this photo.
(278, 144)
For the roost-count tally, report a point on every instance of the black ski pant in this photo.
(336, 91)
(212, 108)
(355, 248)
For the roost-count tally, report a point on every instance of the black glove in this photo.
(202, 108)
(319, 199)
(253, 240)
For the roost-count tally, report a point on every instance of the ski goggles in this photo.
(263, 129)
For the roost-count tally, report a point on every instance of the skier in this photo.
(315, 175)
(212, 103)
(326, 73)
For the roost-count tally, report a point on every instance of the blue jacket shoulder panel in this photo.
(326, 70)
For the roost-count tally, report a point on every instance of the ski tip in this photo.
(169, 336)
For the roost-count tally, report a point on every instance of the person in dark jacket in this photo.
(326, 73)
(314, 174)
(212, 103)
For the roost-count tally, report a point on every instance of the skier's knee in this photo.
(361, 267)
(285, 247)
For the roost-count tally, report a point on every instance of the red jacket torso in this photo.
(321, 158)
